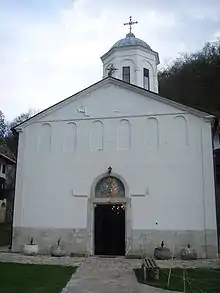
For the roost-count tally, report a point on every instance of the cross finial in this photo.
(130, 23)
(111, 69)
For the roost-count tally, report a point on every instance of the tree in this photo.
(12, 138)
(22, 117)
(2, 126)
(4, 149)
(193, 79)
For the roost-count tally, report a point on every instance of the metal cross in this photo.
(111, 69)
(130, 23)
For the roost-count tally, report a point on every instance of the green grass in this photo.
(5, 234)
(197, 280)
(27, 278)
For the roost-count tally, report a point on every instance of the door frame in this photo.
(93, 201)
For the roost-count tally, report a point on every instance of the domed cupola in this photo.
(131, 40)
(133, 61)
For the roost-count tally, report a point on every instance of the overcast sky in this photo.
(50, 49)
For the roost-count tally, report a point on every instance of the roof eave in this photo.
(7, 158)
(201, 114)
(204, 115)
(112, 50)
(19, 127)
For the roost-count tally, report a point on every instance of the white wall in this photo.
(164, 160)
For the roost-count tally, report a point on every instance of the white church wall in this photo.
(208, 177)
(163, 154)
(20, 168)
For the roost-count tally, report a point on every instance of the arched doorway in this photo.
(109, 217)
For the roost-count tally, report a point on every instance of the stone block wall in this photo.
(141, 242)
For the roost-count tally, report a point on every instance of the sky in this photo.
(51, 49)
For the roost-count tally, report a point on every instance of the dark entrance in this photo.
(109, 229)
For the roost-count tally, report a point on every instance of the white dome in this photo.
(131, 40)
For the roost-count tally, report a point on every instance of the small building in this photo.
(7, 173)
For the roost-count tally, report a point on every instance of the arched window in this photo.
(146, 79)
(126, 73)
(109, 187)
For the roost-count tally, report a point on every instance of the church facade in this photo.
(116, 169)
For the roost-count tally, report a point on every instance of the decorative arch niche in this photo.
(96, 135)
(124, 135)
(130, 63)
(180, 131)
(70, 137)
(110, 187)
(45, 138)
(152, 132)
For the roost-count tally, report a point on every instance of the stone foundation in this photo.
(77, 241)
(206, 244)
(74, 240)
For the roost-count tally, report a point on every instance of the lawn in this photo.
(27, 278)
(5, 234)
(197, 280)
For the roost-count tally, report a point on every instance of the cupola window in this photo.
(126, 73)
(146, 81)
(3, 169)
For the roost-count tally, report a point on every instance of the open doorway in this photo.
(109, 229)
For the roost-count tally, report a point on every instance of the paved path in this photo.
(98, 275)
(41, 259)
(77, 261)
(104, 275)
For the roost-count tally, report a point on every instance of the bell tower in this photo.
(133, 61)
